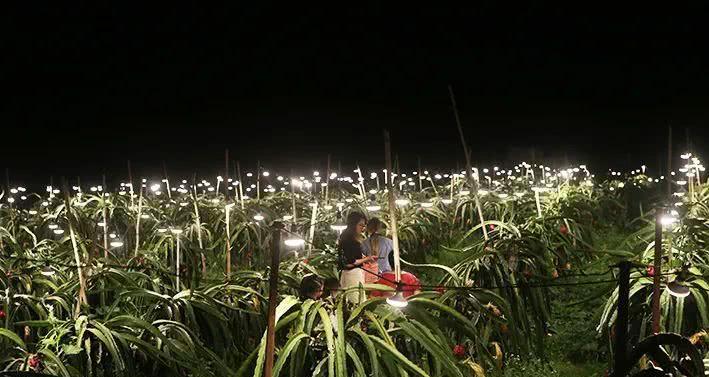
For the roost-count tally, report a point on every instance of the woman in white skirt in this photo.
(351, 256)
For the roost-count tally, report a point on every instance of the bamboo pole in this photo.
(468, 166)
(272, 298)
(241, 184)
(392, 207)
(227, 220)
(167, 180)
(198, 222)
(311, 236)
(177, 263)
(130, 182)
(668, 176)
(258, 180)
(226, 174)
(327, 180)
(657, 267)
(418, 172)
(105, 218)
(77, 257)
(137, 218)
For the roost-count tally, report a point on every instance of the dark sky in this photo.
(89, 87)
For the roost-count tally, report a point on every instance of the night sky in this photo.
(87, 88)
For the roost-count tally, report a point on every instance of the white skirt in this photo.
(351, 279)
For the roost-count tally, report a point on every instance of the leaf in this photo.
(408, 364)
(12, 336)
(71, 349)
(285, 352)
(54, 359)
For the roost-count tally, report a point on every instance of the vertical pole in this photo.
(258, 180)
(241, 184)
(228, 239)
(272, 298)
(177, 265)
(226, 174)
(621, 327)
(105, 217)
(657, 267)
(130, 181)
(327, 180)
(668, 175)
(468, 165)
(77, 257)
(311, 235)
(392, 206)
(418, 172)
(137, 218)
(167, 180)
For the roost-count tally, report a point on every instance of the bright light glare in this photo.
(667, 220)
(294, 242)
(402, 202)
(116, 243)
(258, 217)
(398, 300)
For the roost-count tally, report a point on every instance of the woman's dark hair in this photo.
(353, 218)
(310, 284)
(374, 224)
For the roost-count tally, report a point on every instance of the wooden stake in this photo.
(392, 207)
(226, 174)
(227, 219)
(137, 219)
(77, 257)
(167, 180)
(272, 299)
(468, 165)
(657, 267)
(241, 184)
(327, 180)
(130, 181)
(105, 217)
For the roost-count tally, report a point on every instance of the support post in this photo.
(392, 206)
(272, 298)
(621, 328)
(657, 267)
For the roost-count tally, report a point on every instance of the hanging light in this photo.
(294, 242)
(116, 243)
(47, 271)
(259, 217)
(373, 208)
(402, 202)
(446, 201)
(398, 300)
(58, 231)
(678, 287)
(339, 225)
(426, 204)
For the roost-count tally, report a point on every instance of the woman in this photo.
(379, 246)
(351, 256)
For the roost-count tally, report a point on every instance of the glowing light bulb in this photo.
(116, 244)
(294, 242)
(258, 217)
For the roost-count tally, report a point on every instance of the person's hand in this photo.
(373, 258)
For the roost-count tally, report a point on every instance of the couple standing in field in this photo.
(363, 258)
